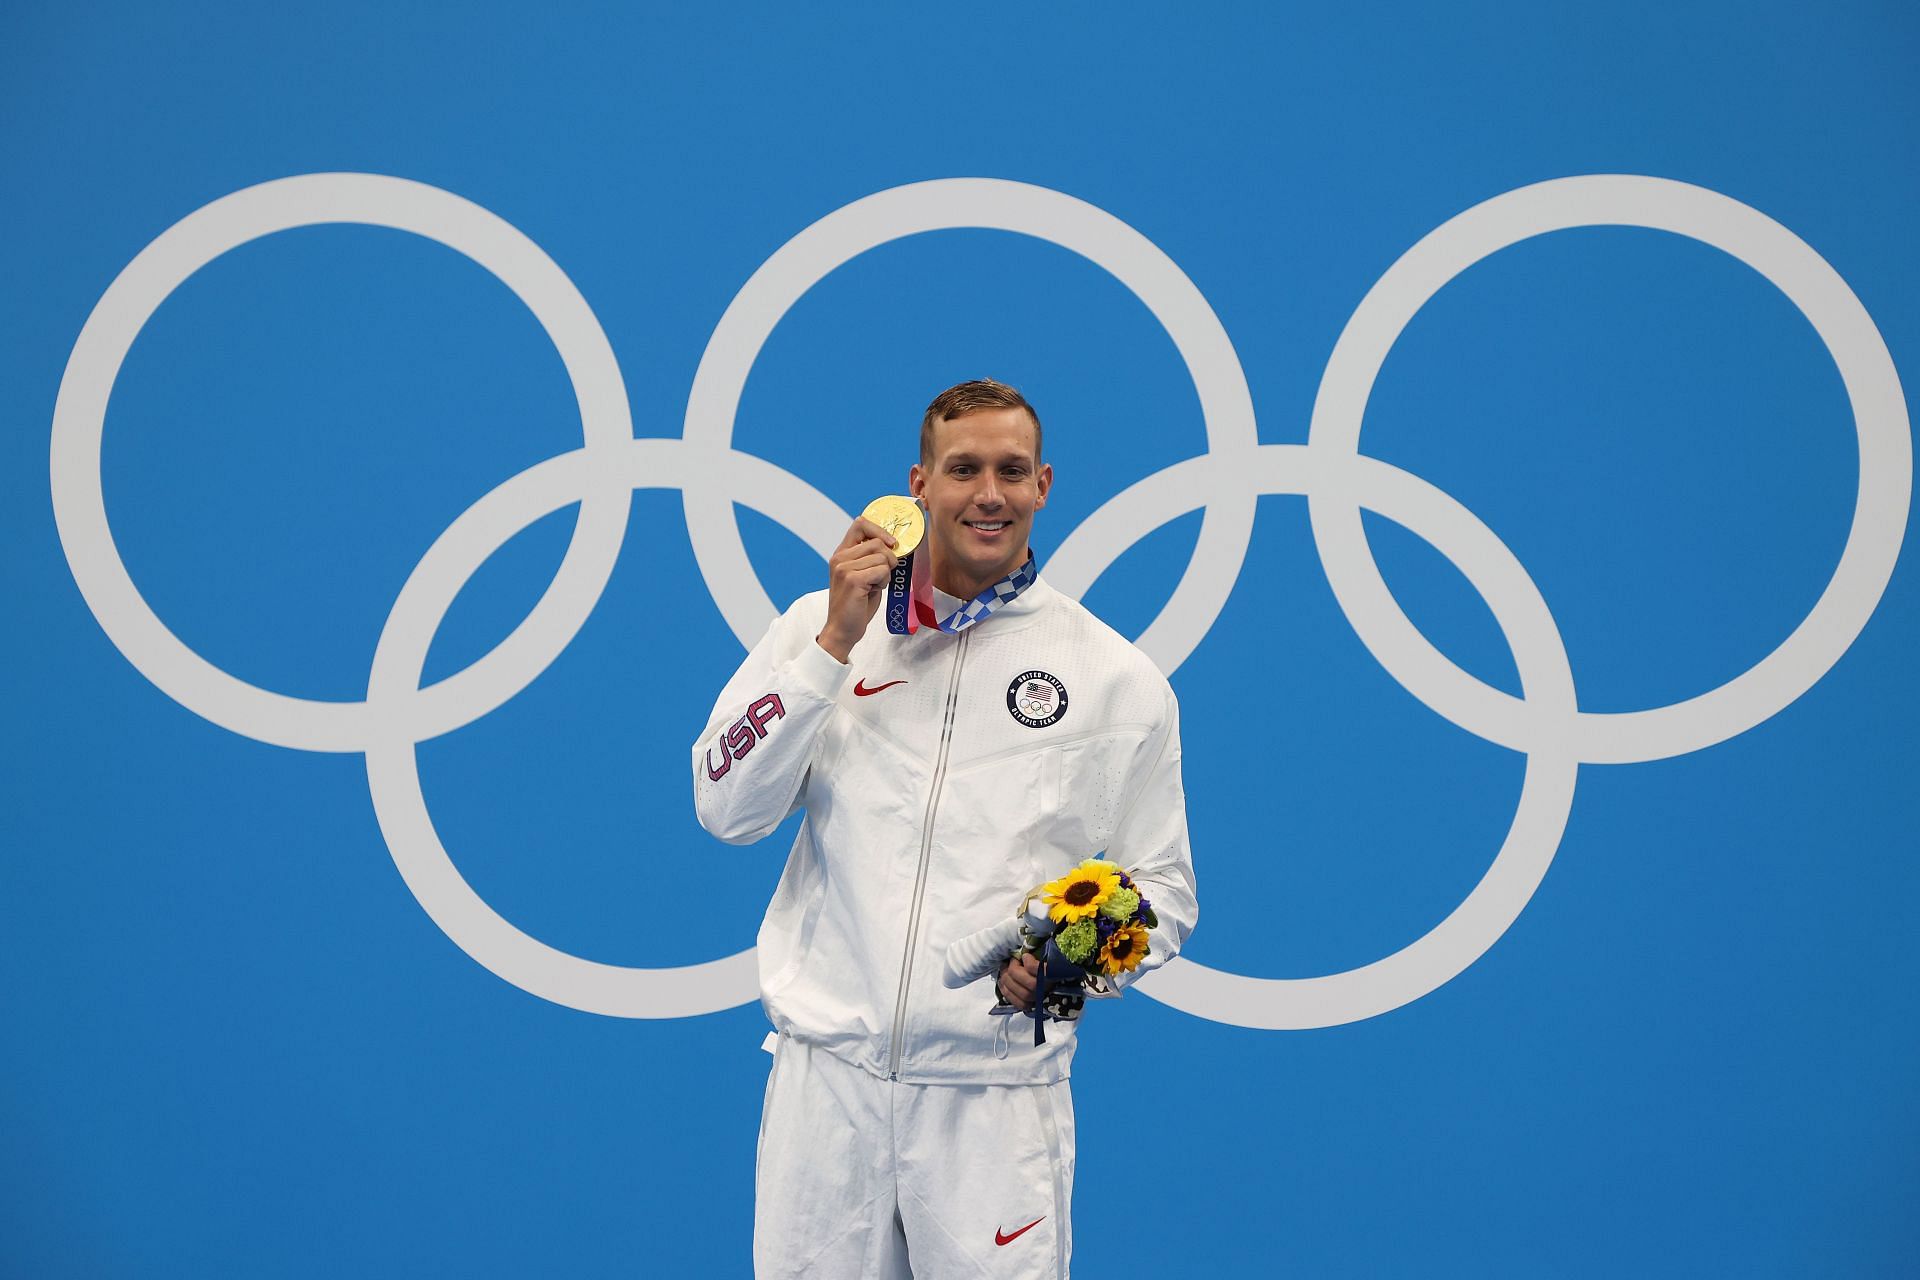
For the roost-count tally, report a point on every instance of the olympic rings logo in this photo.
(1337, 480)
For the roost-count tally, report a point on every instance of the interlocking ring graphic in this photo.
(1337, 480)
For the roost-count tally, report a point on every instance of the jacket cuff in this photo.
(819, 671)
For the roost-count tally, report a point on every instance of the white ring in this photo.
(80, 411)
(393, 776)
(1546, 793)
(1873, 390)
(1226, 405)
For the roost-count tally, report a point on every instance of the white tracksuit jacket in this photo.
(943, 777)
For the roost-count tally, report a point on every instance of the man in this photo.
(944, 774)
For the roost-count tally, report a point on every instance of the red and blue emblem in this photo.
(1037, 699)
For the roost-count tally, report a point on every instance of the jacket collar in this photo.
(1030, 601)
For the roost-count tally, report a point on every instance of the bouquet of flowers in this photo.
(1086, 927)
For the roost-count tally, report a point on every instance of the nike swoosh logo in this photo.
(999, 1238)
(860, 689)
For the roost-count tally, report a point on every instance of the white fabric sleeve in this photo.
(750, 762)
(1150, 843)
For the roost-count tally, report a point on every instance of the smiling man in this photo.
(944, 773)
(980, 480)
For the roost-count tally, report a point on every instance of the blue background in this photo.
(234, 1044)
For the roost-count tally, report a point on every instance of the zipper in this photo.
(926, 852)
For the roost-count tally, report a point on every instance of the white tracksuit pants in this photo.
(862, 1177)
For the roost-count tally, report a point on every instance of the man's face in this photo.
(980, 487)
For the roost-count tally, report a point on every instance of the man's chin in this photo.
(988, 569)
(998, 567)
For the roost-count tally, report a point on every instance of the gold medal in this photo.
(900, 517)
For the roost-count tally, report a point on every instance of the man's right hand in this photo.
(856, 583)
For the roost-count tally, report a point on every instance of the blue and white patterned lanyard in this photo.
(908, 610)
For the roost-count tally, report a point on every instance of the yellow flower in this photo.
(1124, 949)
(1080, 893)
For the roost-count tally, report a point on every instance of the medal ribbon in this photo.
(910, 597)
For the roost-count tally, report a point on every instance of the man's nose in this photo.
(989, 494)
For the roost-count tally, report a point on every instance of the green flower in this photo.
(1120, 906)
(1078, 940)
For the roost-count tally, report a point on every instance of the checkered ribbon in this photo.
(910, 598)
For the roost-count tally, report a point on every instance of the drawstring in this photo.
(1001, 1041)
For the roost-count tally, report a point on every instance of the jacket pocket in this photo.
(1050, 775)
(1053, 783)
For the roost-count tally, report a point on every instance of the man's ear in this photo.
(916, 480)
(1042, 481)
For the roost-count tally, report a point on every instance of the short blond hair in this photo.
(963, 398)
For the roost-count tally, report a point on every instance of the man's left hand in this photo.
(1020, 981)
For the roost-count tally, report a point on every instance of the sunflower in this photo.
(1124, 949)
(1081, 892)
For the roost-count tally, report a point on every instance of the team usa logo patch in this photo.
(1036, 699)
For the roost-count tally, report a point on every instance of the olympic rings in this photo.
(1224, 484)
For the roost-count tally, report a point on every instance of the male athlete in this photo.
(944, 774)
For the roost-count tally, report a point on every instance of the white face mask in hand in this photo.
(980, 954)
